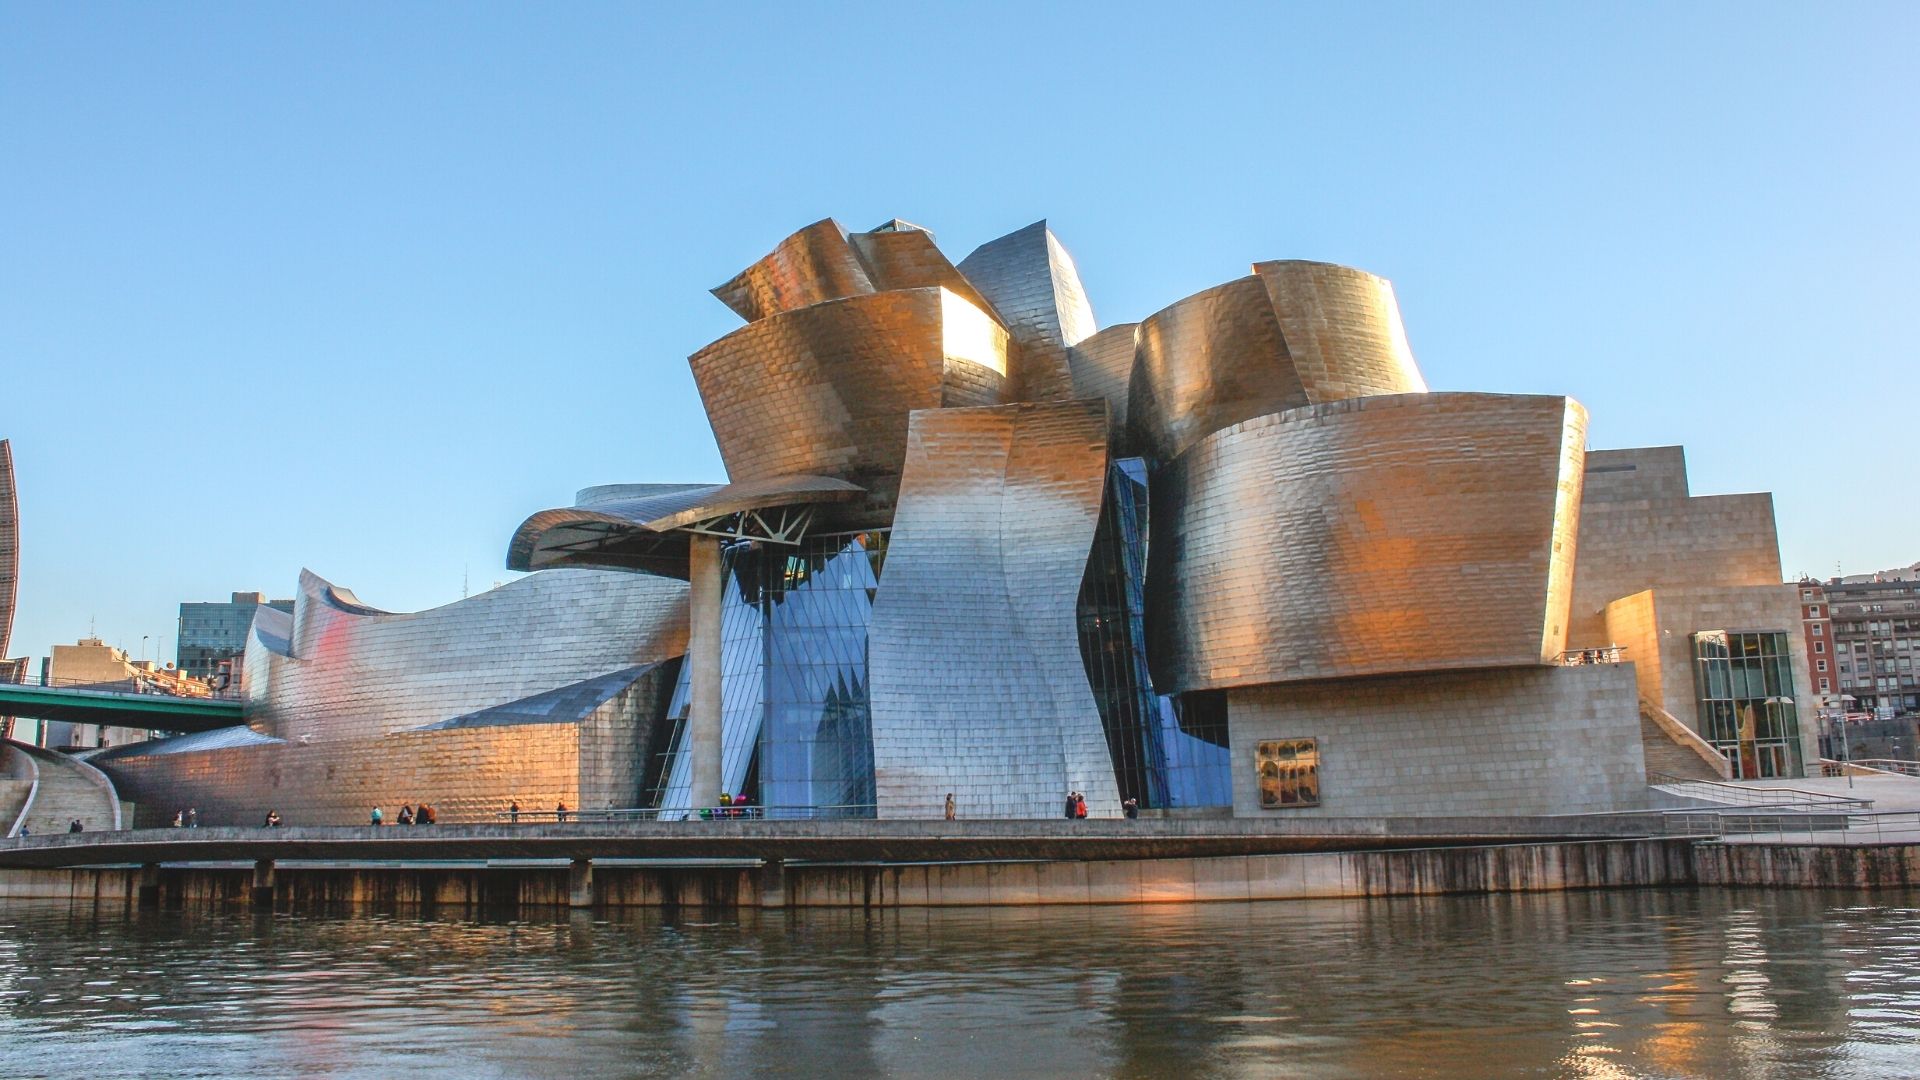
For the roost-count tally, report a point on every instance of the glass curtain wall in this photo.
(1746, 701)
(1166, 753)
(796, 725)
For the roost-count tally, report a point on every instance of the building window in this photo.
(1819, 646)
(1746, 707)
(1819, 630)
(1289, 771)
(1815, 610)
(1823, 686)
(1820, 665)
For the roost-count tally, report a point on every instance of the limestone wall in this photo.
(1527, 740)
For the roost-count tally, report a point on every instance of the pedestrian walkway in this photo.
(67, 789)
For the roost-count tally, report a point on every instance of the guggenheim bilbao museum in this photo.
(1233, 558)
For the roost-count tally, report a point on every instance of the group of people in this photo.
(1077, 806)
(273, 820)
(186, 819)
(409, 815)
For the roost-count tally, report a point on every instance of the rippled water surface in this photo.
(1618, 984)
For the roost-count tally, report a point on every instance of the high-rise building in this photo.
(213, 634)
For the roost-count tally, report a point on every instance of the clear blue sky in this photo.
(357, 287)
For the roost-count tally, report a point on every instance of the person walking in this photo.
(513, 811)
(179, 819)
(75, 826)
(425, 815)
(1079, 806)
(405, 817)
(272, 821)
(193, 817)
(377, 817)
(950, 807)
(1131, 808)
(560, 810)
(1071, 796)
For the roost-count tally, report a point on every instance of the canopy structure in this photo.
(645, 527)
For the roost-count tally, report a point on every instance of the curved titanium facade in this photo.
(1102, 367)
(813, 265)
(901, 256)
(977, 683)
(1213, 359)
(9, 545)
(331, 671)
(1031, 281)
(634, 526)
(1342, 329)
(825, 390)
(1292, 334)
(1406, 533)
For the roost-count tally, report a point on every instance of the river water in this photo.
(1602, 984)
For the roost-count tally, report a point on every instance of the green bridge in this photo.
(156, 711)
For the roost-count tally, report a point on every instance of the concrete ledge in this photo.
(840, 841)
(1353, 874)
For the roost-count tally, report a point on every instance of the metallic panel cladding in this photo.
(906, 257)
(1213, 359)
(812, 265)
(621, 526)
(977, 682)
(347, 674)
(1342, 328)
(1031, 281)
(9, 544)
(825, 390)
(1292, 334)
(1402, 533)
(1102, 367)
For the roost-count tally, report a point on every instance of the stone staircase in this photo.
(16, 783)
(68, 789)
(1673, 753)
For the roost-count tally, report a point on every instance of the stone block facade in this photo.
(1524, 740)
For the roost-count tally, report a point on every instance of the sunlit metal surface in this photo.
(1102, 367)
(1404, 533)
(825, 390)
(9, 544)
(812, 265)
(898, 255)
(336, 669)
(643, 526)
(1031, 281)
(977, 683)
(1289, 335)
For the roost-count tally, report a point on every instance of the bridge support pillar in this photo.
(704, 600)
(263, 885)
(580, 883)
(148, 889)
(773, 883)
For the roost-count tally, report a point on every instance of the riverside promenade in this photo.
(776, 864)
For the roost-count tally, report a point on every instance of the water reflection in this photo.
(1626, 984)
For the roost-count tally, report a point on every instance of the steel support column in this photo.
(703, 662)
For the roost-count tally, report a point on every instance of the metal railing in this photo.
(185, 688)
(1605, 654)
(1753, 795)
(1795, 827)
(1889, 765)
(731, 812)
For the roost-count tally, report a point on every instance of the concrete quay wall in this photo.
(1360, 874)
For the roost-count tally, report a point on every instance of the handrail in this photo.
(33, 791)
(1847, 827)
(130, 686)
(1889, 765)
(732, 812)
(1756, 796)
(1687, 737)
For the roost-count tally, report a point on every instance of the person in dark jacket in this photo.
(405, 816)
(75, 826)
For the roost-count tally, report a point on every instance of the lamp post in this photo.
(1846, 747)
